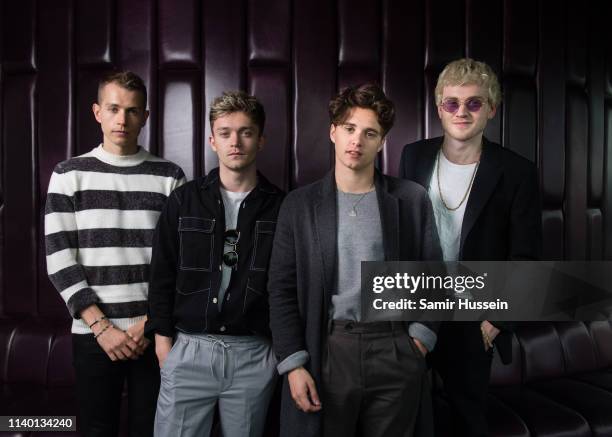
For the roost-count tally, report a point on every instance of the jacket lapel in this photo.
(389, 218)
(327, 235)
(489, 172)
(426, 161)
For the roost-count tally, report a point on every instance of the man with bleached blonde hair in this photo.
(486, 206)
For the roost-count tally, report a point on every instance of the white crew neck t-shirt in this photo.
(455, 180)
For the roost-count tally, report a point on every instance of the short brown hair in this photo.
(366, 96)
(125, 79)
(467, 71)
(238, 101)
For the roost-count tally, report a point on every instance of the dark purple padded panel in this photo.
(542, 353)
(402, 75)
(520, 32)
(595, 234)
(484, 33)
(577, 43)
(551, 101)
(60, 372)
(29, 353)
(503, 421)
(355, 75)
(179, 119)
(55, 90)
(607, 199)
(576, 135)
(601, 332)
(7, 332)
(444, 33)
(134, 52)
(269, 32)
(433, 127)
(179, 33)
(507, 374)
(553, 231)
(95, 30)
(55, 130)
(224, 68)
(88, 131)
(592, 403)
(1, 255)
(520, 116)
(358, 32)
(18, 35)
(596, 82)
(20, 196)
(578, 348)
(271, 86)
(608, 86)
(543, 416)
(314, 85)
(484, 43)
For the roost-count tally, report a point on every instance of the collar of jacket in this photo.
(212, 181)
(329, 187)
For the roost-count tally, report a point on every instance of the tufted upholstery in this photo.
(554, 62)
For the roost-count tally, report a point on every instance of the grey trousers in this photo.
(372, 380)
(238, 372)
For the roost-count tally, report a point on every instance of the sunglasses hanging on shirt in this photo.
(231, 237)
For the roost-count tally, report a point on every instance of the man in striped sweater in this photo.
(101, 212)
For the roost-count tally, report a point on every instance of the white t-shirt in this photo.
(455, 180)
(231, 203)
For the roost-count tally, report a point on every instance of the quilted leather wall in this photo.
(554, 61)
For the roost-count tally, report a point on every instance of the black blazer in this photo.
(502, 218)
(301, 275)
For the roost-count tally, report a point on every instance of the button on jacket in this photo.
(186, 265)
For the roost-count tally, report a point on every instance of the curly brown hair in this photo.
(367, 96)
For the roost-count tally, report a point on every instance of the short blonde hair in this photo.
(467, 71)
(238, 101)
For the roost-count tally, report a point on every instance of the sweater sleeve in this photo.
(61, 240)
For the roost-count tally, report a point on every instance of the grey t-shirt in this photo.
(359, 239)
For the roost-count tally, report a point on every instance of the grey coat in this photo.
(302, 268)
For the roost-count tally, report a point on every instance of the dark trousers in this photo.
(373, 375)
(99, 385)
(465, 367)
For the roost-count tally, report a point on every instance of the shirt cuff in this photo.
(80, 300)
(293, 361)
(423, 334)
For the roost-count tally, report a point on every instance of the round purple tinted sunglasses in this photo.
(472, 104)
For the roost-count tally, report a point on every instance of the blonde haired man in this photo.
(486, 207)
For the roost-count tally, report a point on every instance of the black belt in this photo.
(351, 326)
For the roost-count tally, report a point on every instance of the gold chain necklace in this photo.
(466, 191)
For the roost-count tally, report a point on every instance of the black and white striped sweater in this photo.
(100, 218)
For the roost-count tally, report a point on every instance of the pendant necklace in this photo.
(353, 211)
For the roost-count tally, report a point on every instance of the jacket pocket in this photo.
(191, 305)
(196, 243)
(262, 246)
(253, 298)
